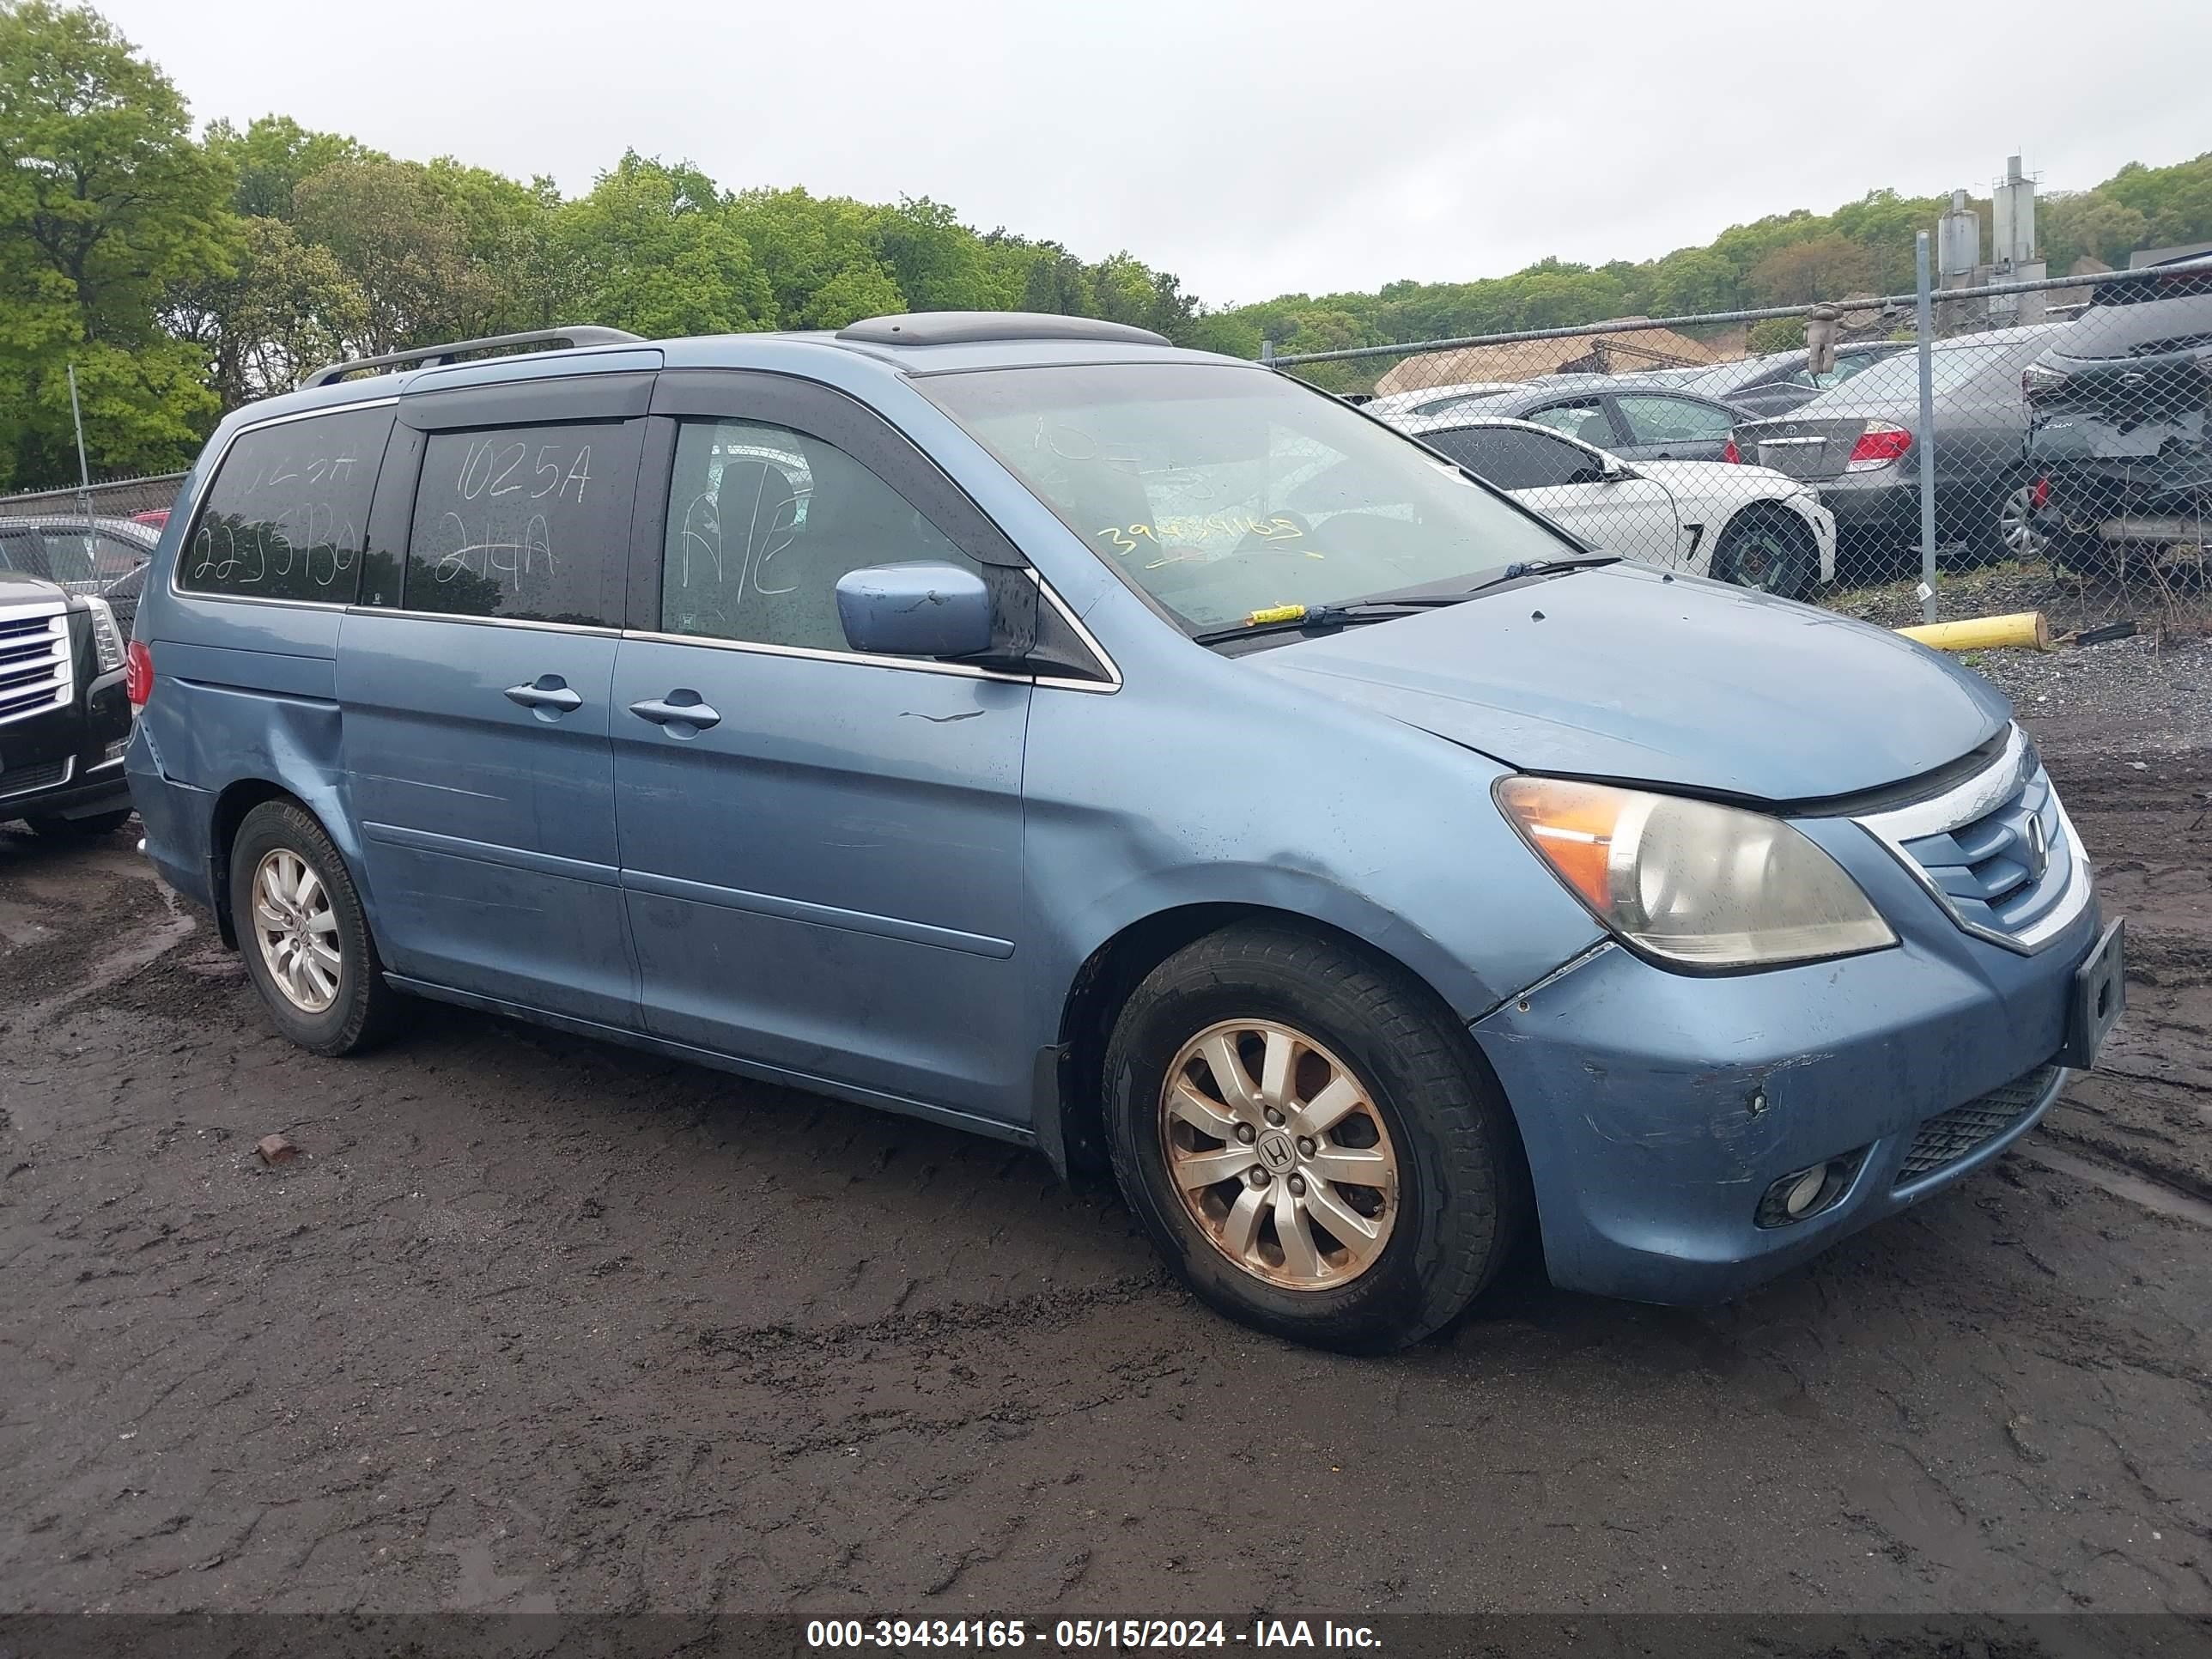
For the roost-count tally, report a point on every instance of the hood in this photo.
(1686, 683)
(1726, 479)
(21, 587)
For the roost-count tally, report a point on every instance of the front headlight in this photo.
(1691, 883)
(107, 637)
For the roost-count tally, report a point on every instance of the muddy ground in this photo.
(539, 1324)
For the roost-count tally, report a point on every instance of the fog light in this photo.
(1800, 1198)
(115, 751)
(1804, 1194)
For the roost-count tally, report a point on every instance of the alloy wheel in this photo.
(2016, 531)
(1279, 1154)
(1759, 560)
(297, 931)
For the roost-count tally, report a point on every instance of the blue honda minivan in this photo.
(1023, 723)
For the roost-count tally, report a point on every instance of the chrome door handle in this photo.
(663, 712)
(541, 695)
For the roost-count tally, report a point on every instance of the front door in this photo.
(821, 851)
(474, 680)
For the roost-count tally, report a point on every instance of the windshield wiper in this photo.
(1285, 618)
(1520, 567)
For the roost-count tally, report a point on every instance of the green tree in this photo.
(2088, 223)
(1826, 267)
(939, 264)
(404, 245)
(104, 200)
(1692, 279)
(279, 309)
(819, 255)
(510, 235)
(1775, 334)
(2175, 202)
(653, 250)
(271, 157)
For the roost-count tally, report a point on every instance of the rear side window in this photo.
(526, 524)
(1514, 459)
(285, 516)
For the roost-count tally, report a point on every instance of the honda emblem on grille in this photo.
(2038, 850)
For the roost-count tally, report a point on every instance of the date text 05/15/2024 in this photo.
(1123, 1635)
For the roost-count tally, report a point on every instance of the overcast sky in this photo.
(1252, 147)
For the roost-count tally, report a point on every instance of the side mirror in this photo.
(915, 610)
(1600, 472)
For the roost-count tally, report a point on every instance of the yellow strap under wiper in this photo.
(1276, 613)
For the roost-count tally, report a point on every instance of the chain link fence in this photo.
(2057, 425)
(117, 498)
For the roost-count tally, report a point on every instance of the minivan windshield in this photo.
(1222, 491)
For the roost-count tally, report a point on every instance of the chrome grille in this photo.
(1997, 851)
(34, 661)
(1991, 868)
(29, 779)
(1949, 1136)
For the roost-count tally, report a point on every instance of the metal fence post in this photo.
(1927, 438)
(84, 471)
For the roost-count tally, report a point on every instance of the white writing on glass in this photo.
(300, 535)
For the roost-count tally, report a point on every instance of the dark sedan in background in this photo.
(1781, 381)
(1636, 420)
(98, 556)
(1858, 444)
(2118, 416)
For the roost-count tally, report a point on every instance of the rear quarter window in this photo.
(287, 513)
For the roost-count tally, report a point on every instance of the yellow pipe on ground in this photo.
(2026, 629)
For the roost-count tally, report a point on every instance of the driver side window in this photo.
(761, 522)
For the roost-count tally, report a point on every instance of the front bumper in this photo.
(1884, 503)
(78, 794)
(1658, 1108)
(58, 765)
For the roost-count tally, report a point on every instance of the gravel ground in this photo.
(2124, 699)
(537, 1324)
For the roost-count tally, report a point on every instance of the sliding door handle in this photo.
(676, 710)
(547, 692)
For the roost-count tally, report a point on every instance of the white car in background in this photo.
(1746, 524)
(1396, 406)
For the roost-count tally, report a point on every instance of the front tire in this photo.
(304, 935)
(1311, 1140)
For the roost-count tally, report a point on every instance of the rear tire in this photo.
(2008, 530)
(304, 935)
(1768, 551)
(85, 829)
(1390, 1131)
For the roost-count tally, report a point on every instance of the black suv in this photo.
(64, 718)
(2118, 410)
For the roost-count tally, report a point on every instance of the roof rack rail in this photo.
(583, 335)
(968, 327)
